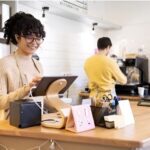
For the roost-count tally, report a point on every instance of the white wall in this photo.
(135, 21)
(134, 18)
(67, 44)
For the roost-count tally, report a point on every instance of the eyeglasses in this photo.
(29, 39)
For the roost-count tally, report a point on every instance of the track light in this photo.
(45, 8)
(93, 25)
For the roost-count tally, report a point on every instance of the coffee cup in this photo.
(141, 91)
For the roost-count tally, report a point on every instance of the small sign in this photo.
(80, 119)
(125, 110)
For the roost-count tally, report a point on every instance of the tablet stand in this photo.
(52, 94)
(55, 120)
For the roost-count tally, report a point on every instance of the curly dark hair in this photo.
(22, 24)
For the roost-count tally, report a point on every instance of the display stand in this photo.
(52, 94)
(58, 119)
(50, 87)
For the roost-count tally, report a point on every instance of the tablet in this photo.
(42, 87)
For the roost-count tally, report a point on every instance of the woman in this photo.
(102, 71)
(19, 72)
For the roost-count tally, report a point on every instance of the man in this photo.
(102, 71)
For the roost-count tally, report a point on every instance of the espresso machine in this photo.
(136, 70)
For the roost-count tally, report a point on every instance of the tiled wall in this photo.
(133, 17)
(135, 33)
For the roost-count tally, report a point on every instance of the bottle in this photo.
(140, 51)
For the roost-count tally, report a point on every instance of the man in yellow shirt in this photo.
(102, 71)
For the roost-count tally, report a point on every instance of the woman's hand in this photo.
(35, 81)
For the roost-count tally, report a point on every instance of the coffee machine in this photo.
(136, 70)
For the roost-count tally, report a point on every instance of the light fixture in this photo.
(45, 8)
(93, 25)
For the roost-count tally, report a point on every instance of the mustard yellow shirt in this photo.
(103, 73)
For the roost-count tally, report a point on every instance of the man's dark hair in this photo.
(103, 43)
(22, 24)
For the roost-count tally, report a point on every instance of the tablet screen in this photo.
(42, 87)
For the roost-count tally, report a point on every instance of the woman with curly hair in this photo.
(19, 71)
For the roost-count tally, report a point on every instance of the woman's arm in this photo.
(6, 98)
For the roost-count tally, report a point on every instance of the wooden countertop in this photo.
(133, 98)
(132, 136)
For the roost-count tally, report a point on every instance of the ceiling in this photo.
(71, 11)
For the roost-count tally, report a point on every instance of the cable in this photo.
(30, 94)
(52, 145)
(38, 147)
(59, 146)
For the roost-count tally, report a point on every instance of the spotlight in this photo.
(93, 25)
(45, 8)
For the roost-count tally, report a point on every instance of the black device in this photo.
(42, 87)
(144, 101)
(25, 113)
(133, 67)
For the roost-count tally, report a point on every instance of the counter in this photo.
(127, 97)
(132, 137)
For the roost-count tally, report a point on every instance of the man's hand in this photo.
(135, 77)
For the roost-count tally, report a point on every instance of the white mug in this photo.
(141, 91)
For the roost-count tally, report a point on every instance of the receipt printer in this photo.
(25, 113)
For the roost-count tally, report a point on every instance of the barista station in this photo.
(137, 71)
